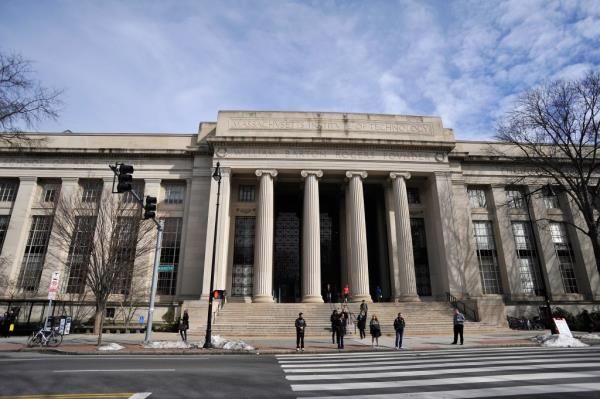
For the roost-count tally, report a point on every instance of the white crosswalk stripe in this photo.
(445, 374)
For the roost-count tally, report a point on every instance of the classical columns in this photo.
(311, 238)
(357, 233)
(263, 244)
(406, 262)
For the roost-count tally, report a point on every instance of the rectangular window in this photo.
(8, 190)
(91, 191)
(419, 242)
(515, 197)
(565, 256)
(35, 253)
(169, 256)
(527, 257)
(550, 199)
(488, 257)
(247, 193)
(126, 231)
(174, 193)
(413, 195)
(477, 198)
(243, 256)
(80, 249)
(138, 187)
(50, 192)
(4, 220)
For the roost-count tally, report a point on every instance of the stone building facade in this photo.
(311, 202)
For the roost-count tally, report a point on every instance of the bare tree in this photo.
(101, 240)
(555, 131)
(131, 300)
(24, 102)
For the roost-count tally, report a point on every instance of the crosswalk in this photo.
(449, 374)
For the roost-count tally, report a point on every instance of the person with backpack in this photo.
(300, 325)
(459, 325)
(399, 325)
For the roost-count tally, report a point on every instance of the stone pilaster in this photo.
(406, 261)
(18, 226)
(263, 243)
(222, 261)
(390, 221)
(359, 262)
(311, 238)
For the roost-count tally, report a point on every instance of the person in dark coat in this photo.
(459, 324)
(332, 320)
(184, 325)
(378, 294)
(340, 331)
(375, 330)
(300, 325)
(364, 307)
(362, 324)
(399, 325)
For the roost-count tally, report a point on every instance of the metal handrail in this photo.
(469, 312)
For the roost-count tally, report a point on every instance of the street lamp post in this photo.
(207, 341)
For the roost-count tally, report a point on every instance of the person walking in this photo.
(346, 293)
(459, 325)
(399, 325)
(300, 329)
(375, 330)
(362, 324)
(184, 325)
(340, 330)
(332, 320)
(364, 307)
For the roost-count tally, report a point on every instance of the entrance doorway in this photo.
(377, 249)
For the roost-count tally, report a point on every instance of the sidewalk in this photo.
(132, 343)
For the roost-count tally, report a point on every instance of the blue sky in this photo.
(164, 66)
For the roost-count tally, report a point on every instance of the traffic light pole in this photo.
(159, 227)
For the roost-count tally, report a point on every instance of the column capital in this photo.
(152, 181)
(27, 178)
(361, 173)
(260, 172)
(306, 173)
(395, 175)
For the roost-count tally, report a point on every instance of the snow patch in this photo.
(217, 341)
(590, 337)
(558, 341)
(111, 347)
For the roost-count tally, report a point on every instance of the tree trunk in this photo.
(596, 247)
(98, 323)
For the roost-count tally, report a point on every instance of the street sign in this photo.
(562, 327)
(54, 282)
(141, 319)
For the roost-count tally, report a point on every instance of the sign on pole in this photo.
(53, 285)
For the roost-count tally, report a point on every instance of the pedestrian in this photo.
(379, 294)
(346, 293)
(399, 325)
(300, 325)
(184, 325)
(332, 320)
(375, 330)
(364, 307)
(459, 325)
(340, 330)
(362, 324)
(328, 293)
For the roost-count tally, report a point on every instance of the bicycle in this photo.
(45, 338)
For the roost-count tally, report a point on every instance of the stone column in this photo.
(406, 261)
(18, 226)
(222, 260)
(263, 243)
(390, 219)
(359, 262)
(311, 238)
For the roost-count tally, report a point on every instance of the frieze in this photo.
(333, 125)
(324, 153)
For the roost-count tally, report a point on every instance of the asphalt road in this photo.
(212, 376)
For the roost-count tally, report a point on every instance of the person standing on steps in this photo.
(362, 324)
(375, 330)
(364, 307)
(346, 293)
(332, 320)
(340, 330)
(378, 294)
(184, 324)
(300, 328)
(399, 325)
(459, 325)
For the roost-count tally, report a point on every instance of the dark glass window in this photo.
(169, 256)
(247, 193)
(419, 241)
(487, 257)
(8, 190)
(35, 253)
(243, 256)
(79, 253)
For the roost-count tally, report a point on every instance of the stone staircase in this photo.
(277, 319)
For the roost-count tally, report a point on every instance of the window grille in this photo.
(419, 242)
(565, 256)
(91, 191)
(169, 256)
(515, 197)
(412, 194)
(550, 199)
(8, 190)
(527, 257)
(35, 253)
(50, 192)
(487, 257)
(477, 197)
(247, 193)
(126, 231)
(243, 255)
(80, 250)
(174, 193)
(4, 220)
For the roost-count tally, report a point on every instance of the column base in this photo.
(407, 298)
(312, 299)
(361, 297)
(262, 299)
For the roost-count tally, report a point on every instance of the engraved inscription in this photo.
(330, 125)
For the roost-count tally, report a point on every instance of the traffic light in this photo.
(150, 207)
(125, 178)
